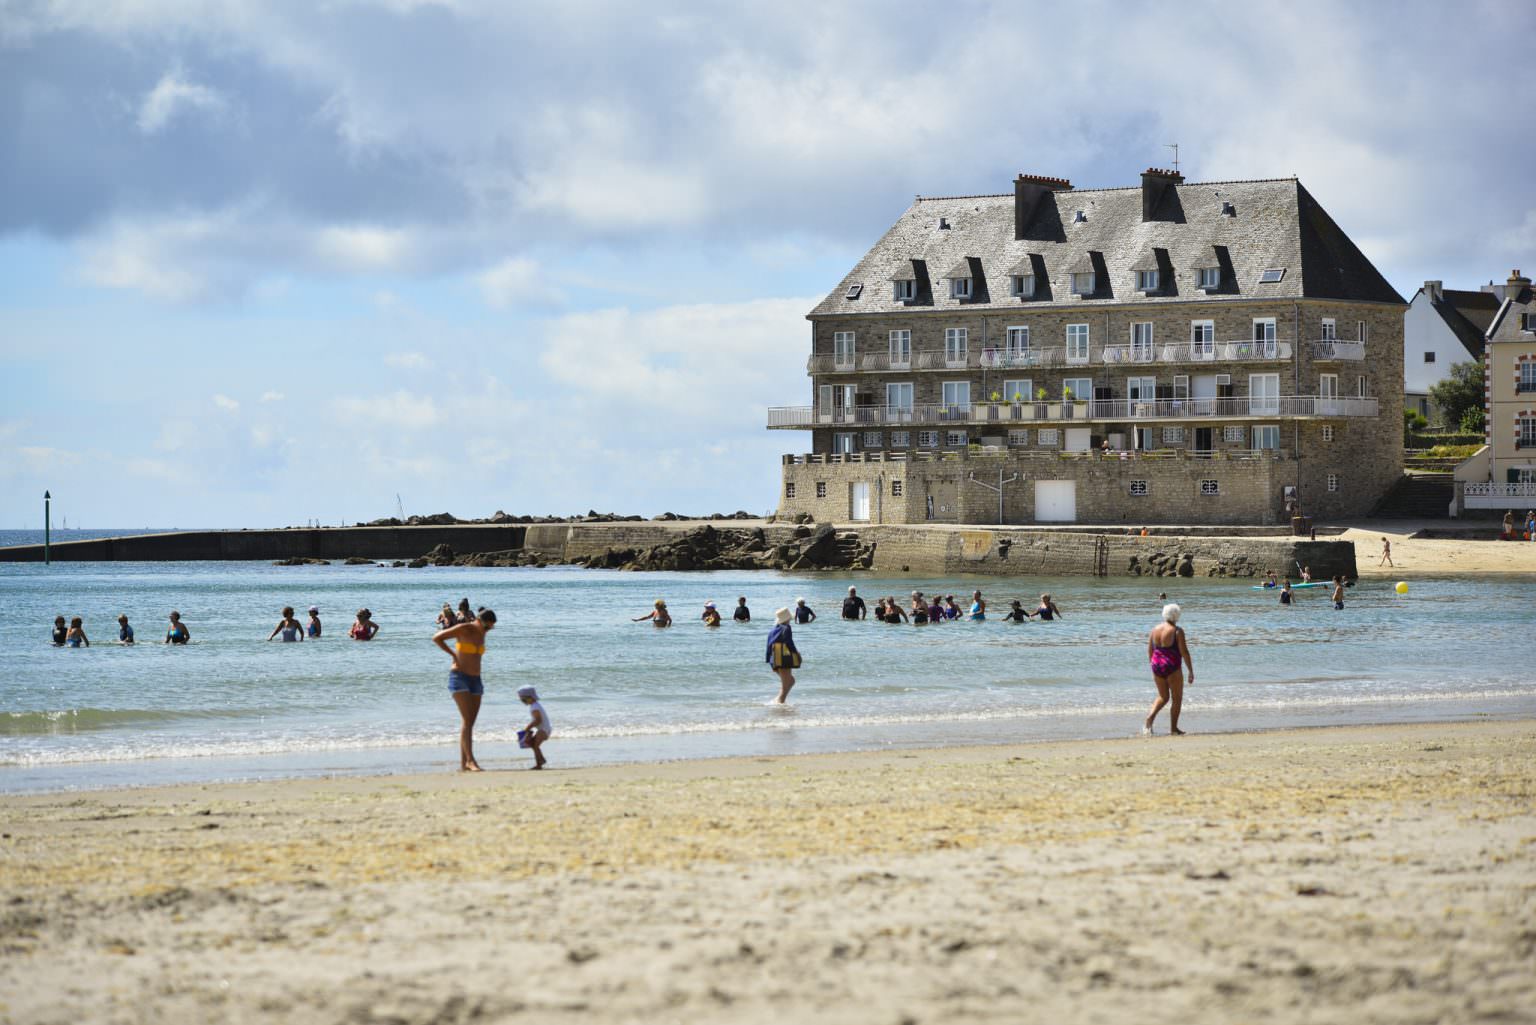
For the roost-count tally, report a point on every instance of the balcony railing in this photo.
(1032, 357)
(1033, 453)
(823, 363)
(886, 361)
(1024, 358)
(1330, 348)
(1065, 412)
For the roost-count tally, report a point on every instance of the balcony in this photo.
(1097, 410)
(1331, 349)
(1023, 358)
(830, 364)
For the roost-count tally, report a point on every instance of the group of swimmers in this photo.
(942, 608)
(1288, 594)
(73, 635)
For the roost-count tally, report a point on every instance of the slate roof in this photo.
(1468, 315)
(1277, 224)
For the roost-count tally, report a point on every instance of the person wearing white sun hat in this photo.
(783, 657)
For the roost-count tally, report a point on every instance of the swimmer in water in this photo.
(314, 622)
(363, 628)
(1047, 609)
(288, 627)
(124, 631)
(177, 633)
(60, 631)
(803, 612)
(711, 614)
(978, 607)
(75, 637)
(659, 616)
(1016, 613)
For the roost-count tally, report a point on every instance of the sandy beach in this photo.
(1480, 556)
(1376, 874)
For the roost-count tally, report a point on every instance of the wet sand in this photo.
(1362, 874)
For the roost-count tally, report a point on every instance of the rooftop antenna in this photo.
(1175, 147)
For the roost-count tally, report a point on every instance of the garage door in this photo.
(1056, 501)
(1079, 439)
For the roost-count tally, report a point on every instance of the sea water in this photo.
(232, 705)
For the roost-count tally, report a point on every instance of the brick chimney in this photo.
(1516, 281)
(1435, 290)
(1155, 181)
(1028, 191)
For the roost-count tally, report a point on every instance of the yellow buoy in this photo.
(1402, 587)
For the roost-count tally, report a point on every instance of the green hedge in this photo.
(1419, 440)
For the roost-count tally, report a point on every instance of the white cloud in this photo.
(174, 95)
(398, 410)
(362, 247)
(226, 403)
(407, 361)
(271, 396)
(516, 281)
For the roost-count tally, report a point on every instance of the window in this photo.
(1362, 331)
(789, 489)
(1022, 286)
(901, 439)
(1141, 395)
(1019, 389)
(1232, 435)
(957, 396)
(1180, 387)
(1173, 435)
(1138, 488)
(959, 288)
(821, 489)
(901, 348)
(895, 489)
(1266, 436)
(1048, 436)
(854, 291)
(1328, 387)
(1272, 276)
(1078, 389)
(1327, 432)
(1429, 357)
(1018, 343)
(906, 290)
(1018, 439)
(928, 439)
(1528, 321)
(1210, 277)
(1333, 482)
(956, 439)
(872, 439)
(1264, 336)
(1527, 382)
(842, 349)
(1146, 281)
(1202, 339)
(1363, 387)
(842, 443)
(1077, 343)
(954, 345)
(1084, 284)
(1141, 342)
(1527, 436)
(1330, 332)
(1264, 393)
(898, 398)
(1210, 487)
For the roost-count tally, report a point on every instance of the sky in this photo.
(281, 262)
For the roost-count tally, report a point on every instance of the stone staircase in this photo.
(1418, 496)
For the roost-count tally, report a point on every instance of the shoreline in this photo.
(1298, 874)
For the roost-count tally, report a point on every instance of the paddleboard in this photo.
(1294, 587)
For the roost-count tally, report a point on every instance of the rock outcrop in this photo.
(711, 548)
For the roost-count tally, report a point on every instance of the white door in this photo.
(1141, 394)
(842, 443)
(1055, 501)
(1264, 394)
(898, 401)
(1018, 389)
(1328, 393)
(957, 400)
(1078, 439)
(1202, 394)
(858, 501)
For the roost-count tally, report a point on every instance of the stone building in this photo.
(1172, 352)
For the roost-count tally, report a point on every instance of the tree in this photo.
(1460, 392)
(1413, 421)
(1472, 421)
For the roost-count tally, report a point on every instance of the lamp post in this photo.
(47, 524)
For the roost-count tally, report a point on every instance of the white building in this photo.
(1442, 326)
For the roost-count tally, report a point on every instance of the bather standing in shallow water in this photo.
(1166, 649)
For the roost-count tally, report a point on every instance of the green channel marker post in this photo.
(47, 524)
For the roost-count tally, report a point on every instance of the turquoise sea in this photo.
(233, 706)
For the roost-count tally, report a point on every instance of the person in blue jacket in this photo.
(783, 656)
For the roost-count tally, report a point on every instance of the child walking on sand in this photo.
(537, 731)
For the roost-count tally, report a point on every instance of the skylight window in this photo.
(853, 291)
(1272, 276)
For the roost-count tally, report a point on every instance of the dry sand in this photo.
(1382, 874)
(1413, 556)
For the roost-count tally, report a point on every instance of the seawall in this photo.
(289, 543)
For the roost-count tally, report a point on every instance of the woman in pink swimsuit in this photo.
(1166, 649)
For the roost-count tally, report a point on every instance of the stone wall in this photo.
(295, 542)
(1135, 489)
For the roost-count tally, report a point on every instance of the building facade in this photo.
(1443, 326)
(1201, 353)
